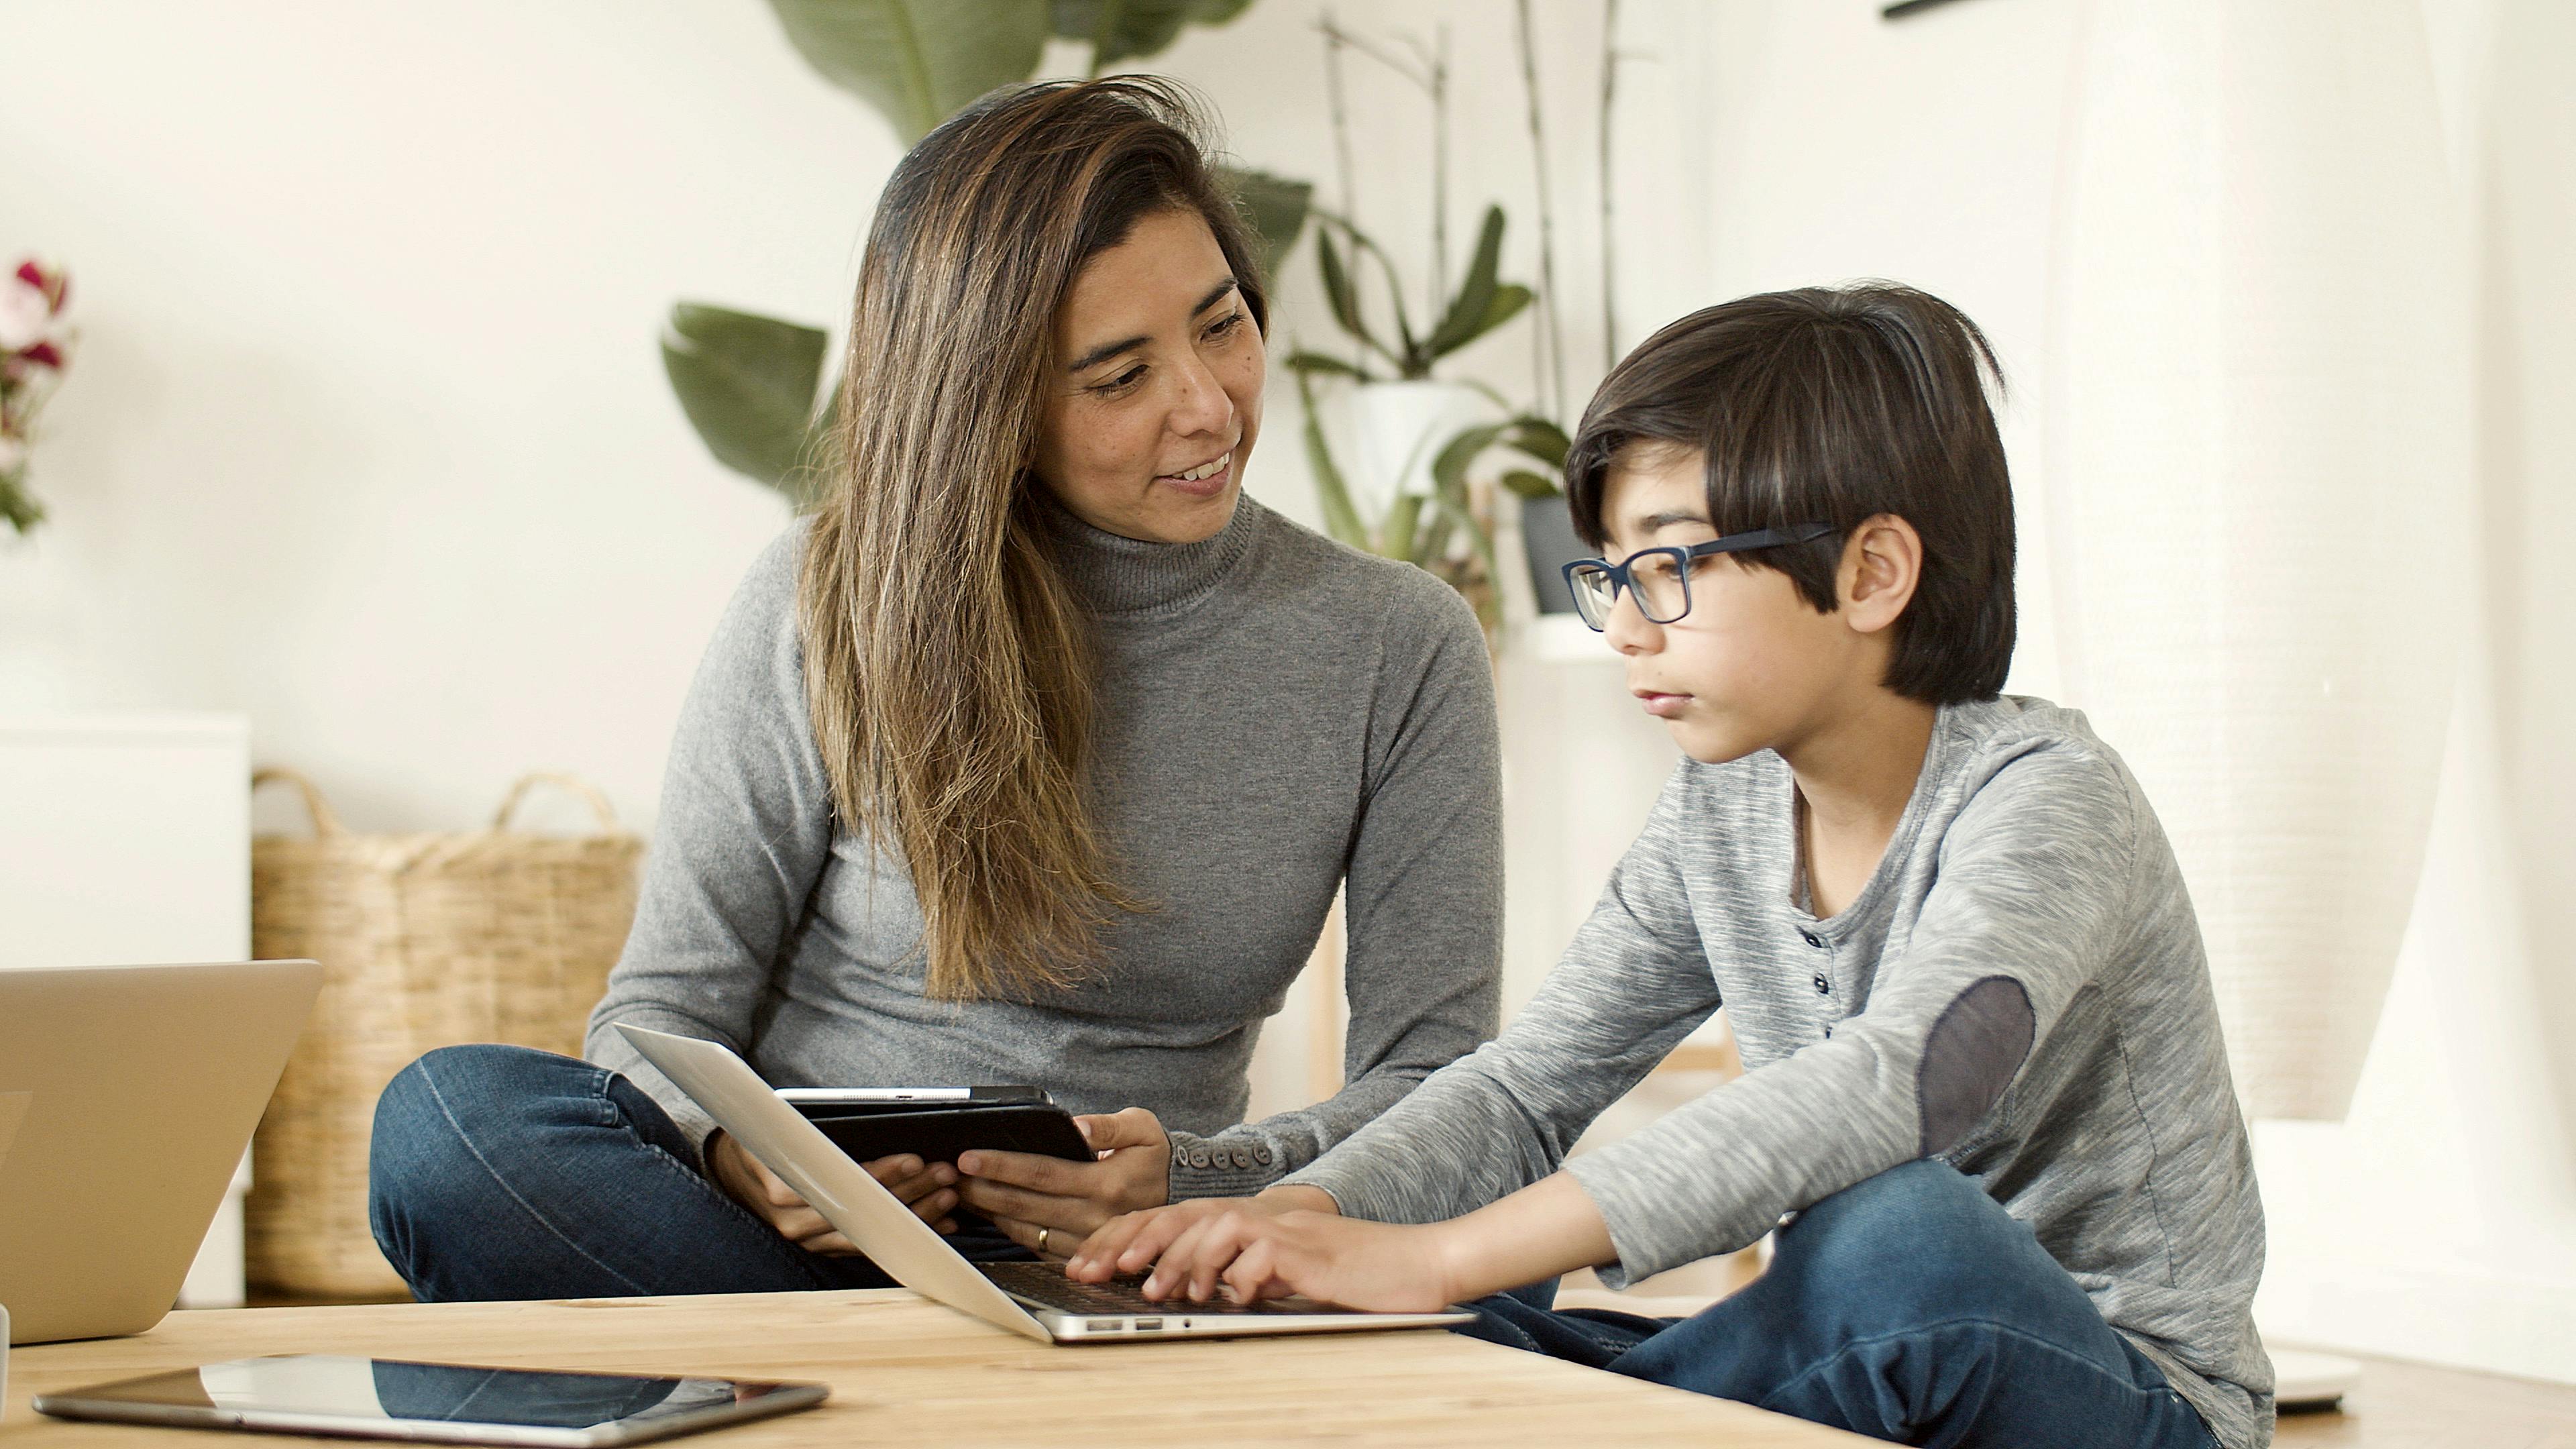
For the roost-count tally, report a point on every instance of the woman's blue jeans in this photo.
(501, 1172)
(1910, 1307)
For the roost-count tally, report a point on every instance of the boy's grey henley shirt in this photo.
(1276, 710)
(2019, 990)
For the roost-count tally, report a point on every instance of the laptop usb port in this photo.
(1148, 1325)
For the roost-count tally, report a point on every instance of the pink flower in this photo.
(44, 354)
(55, 283)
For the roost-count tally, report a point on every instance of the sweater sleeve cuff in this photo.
(609, 1050)
(1646, 1229)
(1345, 1188)
(1636, 1258)
(1232, 1164)
(697, 1126)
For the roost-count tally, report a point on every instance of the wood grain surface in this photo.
(2418, 1406)
(904, 1370)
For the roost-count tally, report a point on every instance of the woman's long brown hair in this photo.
(949, 668)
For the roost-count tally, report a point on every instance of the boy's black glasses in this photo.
(1660, 577)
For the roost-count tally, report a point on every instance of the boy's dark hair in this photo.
(1834, 405)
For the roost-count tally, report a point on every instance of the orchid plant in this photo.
(35, 347)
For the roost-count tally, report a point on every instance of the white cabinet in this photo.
(125, 838)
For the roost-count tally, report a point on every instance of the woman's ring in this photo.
(1042, 1241)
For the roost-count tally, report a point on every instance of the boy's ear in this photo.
(1882, 564)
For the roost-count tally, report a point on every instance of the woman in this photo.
(1037, 756)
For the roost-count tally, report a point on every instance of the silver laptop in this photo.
(126, 1096)
(1034, 1300)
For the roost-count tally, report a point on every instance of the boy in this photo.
(1983, 1075)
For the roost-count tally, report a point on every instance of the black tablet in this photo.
(937, 1132)
(446, 1403)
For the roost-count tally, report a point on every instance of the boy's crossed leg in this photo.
(1910, 1307)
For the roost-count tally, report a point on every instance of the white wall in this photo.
(368, 437)
(370, 442)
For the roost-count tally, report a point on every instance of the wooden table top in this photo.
(905, 1370)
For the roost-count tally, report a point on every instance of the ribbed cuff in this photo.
(1236, 1165)
(699, 1127)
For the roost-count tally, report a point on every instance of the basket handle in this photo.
(324, 821)
(598, 802)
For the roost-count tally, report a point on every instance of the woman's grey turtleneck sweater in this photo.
(1276, 711)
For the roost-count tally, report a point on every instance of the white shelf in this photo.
(1561, 639)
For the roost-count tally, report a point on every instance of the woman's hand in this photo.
(929, 1189)
(1252, 1251)
(1049, 1205)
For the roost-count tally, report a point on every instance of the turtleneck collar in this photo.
(1121, 577)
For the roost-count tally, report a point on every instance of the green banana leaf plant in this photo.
(748, 385)
(920, 61)
(753, 386)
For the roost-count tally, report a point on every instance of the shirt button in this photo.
(1261, 1155)
(1242, 1156)
(1811, 938)
(1198, 1157)
(1824, 987)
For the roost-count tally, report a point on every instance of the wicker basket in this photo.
(426, 941)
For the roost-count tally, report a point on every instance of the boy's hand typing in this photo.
(1292, 1240)
(1255, 1254)
(1133, 1243)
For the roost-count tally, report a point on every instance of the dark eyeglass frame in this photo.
(1682, 555)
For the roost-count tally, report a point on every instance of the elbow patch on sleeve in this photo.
(1979, 1041)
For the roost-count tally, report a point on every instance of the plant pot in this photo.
(1396, 430)
(1547, 536)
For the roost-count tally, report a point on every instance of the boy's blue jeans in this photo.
(1910, 1307)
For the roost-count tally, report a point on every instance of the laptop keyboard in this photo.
(1046, 1283)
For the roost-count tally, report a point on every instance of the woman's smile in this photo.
(1207, 480)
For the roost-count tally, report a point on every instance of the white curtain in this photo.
(2257, 461)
